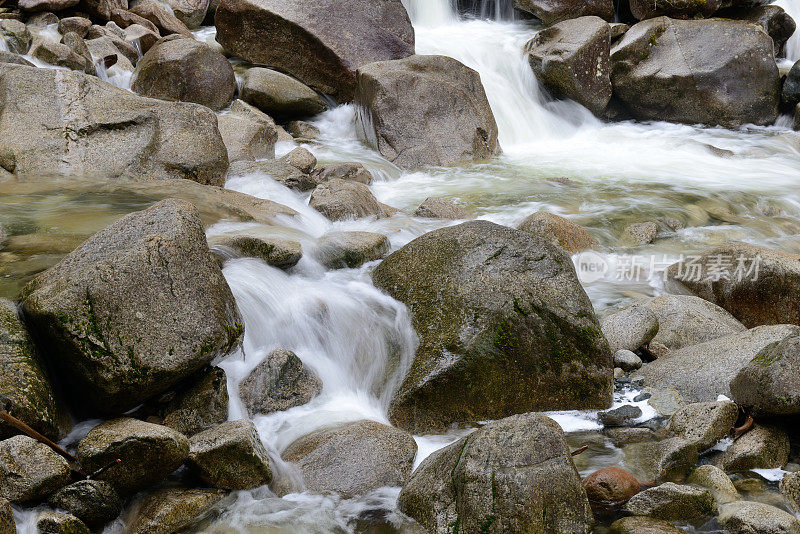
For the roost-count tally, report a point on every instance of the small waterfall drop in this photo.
(792, 7)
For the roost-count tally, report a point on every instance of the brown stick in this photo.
(739, 431)
(579, 450)
(104, 469)
(22, 427)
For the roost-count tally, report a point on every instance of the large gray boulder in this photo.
(701, 373)
(775, 21)
(136, 308)
(571, 59)
(664, 69)
(340, 200)
(29, 470)
(756, 285)
(181, 69)
(147, 452)
(25, 389)
(64, 123)
(353, 458)
(166, 22)
(320, 43)
(337, 250)
(685, 320)
(553, 11)
(280, 96)
(278, 383)
(513, 475)
(504, 325)
(425, 110)
(770, 384)
(231, 456)
(746, 517)
(669, 460)
(17, 36)
(50, 522)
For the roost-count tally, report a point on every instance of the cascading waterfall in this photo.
(792, 7)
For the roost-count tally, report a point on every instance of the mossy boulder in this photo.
(504, 325)
(763, 447)
(744, 517)
(171, 510)
(147, 453)
(50, 522)
(138, 307)
(704, 423)
(769, 384)
(201, 404)
(702, 372)
(664, 69)
(94, 502)
(513, 475)
(25, 389)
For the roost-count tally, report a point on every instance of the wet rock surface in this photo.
(354, 458)
(516, 294)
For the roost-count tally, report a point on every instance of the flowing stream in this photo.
(722, 184)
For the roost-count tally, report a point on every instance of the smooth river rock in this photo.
(558, 230)
(512, 475)
(148, 453)
(504, 325)
(170, 510)
(177, 314)
(320, 43)
(353, 458)
(180, 69)
(425, 110)
(278, 383)
(231, 456)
